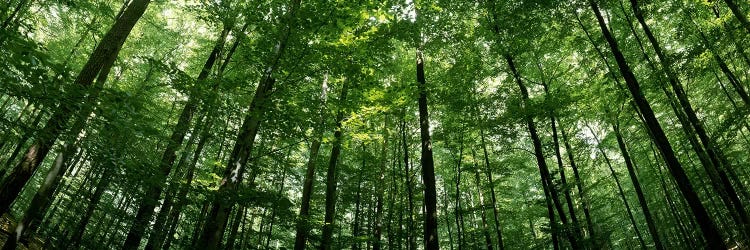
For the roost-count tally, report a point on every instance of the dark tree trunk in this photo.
(638, 190)
(710, 232)
(739, 14)
(579, 183)
(482, 207)
(545, 175)
(146, 210)
(491, 182)
(428, 166)
(380, 189)
(331, 175)
(97, 67)
(457, 213)
(619, 188)
(221, 205)
(358, 203)
(714, 153)
(411, 241)
(90, 208)
(303, 221)
(561, 168)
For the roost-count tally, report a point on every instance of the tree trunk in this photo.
(491, 182)
(331, 175)
(380, 189)
(579, 183)
(358, 202)
(303, 221)
(457, 213)
(146, 210)
(707, 225)
(739, 14)
(619, 188)
(638, 190)
(482, 207)
(428, 166)
(411, 241)
(561, 168)
(546, 178)
(97, 67)
(91, 207)
(714, 153)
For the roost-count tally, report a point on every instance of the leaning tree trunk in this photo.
(151, 199)
(97, 67)
(221, 206)
(544, 173)
(719, 163)
(561, 168)
(330, 212)
(739, 14)
(710, 232)
(638, 190)
(303, 220)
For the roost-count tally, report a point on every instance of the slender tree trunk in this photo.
(428, 166)
(491, 182)
(91, 207)
(145, 211)
(274, 209)
(380, 189)
(457, 213)
(619, 188)
(561, 168)
(579, 183)
(97, 67)
(303, 221)
(222, 203)
(482, 207)
(358, 203)
(707, 225)
(739, 14)
(713, 151)
(331, 175)
(545, 175)
(411, 241)
(638, 190)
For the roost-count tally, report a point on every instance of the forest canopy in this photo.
(411, 124)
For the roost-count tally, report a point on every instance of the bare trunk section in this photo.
(331, 175)
(96, 68)
(303, 221)
(428, 166)
(707, 225)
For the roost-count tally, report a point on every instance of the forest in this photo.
(360, 124)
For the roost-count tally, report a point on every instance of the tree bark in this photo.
(97, 67)
(146, 210)
(544, 173)
(482, 206)
(428, 166)
(222, 203)
(491, 182)
(718, 162)
(561, 168)
(331, 175)
(638, 190)
(303, 221)
(739, 14)
(380, 189)
(707, 225)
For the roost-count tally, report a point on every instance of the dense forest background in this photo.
(521, 124)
